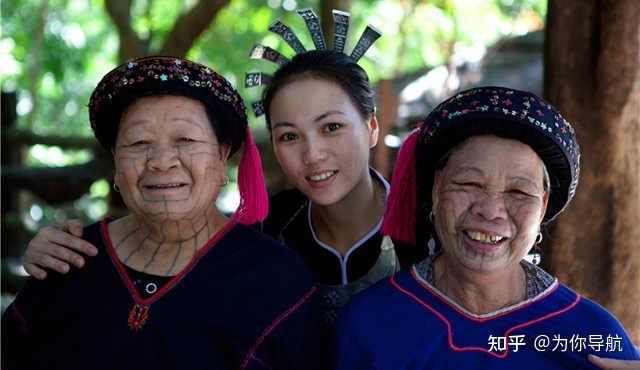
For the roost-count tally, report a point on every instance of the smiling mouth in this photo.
(165, 186)
(483, 238)
(322, 176)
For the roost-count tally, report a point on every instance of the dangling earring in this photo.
(225, 181)
(536, 251)
(432, 242)
(116, 188)
(536, 248)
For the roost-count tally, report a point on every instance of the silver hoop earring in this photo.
(116, 188)
(539, 237)
(225, 181)
(431, 216)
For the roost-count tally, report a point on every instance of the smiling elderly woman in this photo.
(483, 173)
(177, 284)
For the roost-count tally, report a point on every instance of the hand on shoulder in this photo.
(56, 248)
(613, 364)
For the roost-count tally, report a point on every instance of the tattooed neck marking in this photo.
(141, 251)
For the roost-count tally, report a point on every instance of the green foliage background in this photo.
(52, 53)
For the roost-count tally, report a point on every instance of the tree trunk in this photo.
(592, 75)
(190, 25)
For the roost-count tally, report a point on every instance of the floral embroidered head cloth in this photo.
(500, 111)
(159, 75)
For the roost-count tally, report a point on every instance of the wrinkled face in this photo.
(169, 165)
(489, 201)
(321, 140)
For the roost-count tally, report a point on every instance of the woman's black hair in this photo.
(328, 65)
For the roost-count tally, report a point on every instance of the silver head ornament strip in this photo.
(368, 37)
(257, 108)
(341, 29)
(314, 27)
(256, 79)
(260, 51)
(287, 35)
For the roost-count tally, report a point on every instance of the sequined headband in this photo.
(158, 75)
(341, 29)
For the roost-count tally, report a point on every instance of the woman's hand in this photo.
(609, 363)
(54, 247)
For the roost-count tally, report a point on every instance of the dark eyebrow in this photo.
(316, 120)
(327, 114)
(282, 124)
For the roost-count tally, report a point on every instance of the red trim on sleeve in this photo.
(273, 325)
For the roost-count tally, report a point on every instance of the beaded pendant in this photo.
(138, 317)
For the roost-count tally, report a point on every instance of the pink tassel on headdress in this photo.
(399, 220)
(254, 203)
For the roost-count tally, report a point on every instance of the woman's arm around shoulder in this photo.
(56, 248)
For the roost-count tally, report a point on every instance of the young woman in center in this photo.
(320, 110)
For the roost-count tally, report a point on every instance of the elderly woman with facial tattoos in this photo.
(177, 284)
(479, 179)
